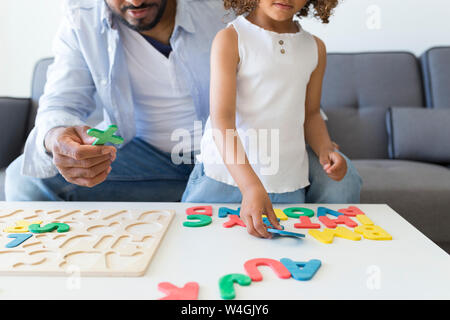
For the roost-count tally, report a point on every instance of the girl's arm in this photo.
(316, 133)
(255, 201)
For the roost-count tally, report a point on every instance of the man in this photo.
(147, 61)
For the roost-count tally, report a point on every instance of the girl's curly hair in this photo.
(320, 9)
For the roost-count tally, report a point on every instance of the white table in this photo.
(409, 267)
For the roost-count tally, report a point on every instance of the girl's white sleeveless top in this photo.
(273, 73)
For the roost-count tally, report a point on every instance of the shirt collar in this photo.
(183, 17)
(105, 17)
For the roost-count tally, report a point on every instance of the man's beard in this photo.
(140, 27)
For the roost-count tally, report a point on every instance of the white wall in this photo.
(27, 28)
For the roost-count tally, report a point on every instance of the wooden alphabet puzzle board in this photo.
(99, 242)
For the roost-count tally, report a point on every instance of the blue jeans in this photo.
(322, 189)
(144, 173)
(139, 173)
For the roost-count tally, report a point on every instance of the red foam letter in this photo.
(351, 211)
(188, 292)
(205, 210)
(332, 223)
(251, 267)
(305, 223)
(234, 220)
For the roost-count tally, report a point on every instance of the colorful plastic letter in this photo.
(18, 239)
(226, 284)
(302, 271)
(305, 223)
(305, 212)
(21, 226)
(205, 210)
(327, 235)
(279, 214)
(105, 136)
(224, 212)
(251, 267)
(268, 224)
(283, 233)
(322, 212)
(364, 220)
(373, 232)
(332, 223)
(49, 227)
(188, 292)
(345, 233)
(351, 211)
(234, 220)
(202, 221)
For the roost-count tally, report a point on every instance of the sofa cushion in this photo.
(436, 73)
(419, 134)
(419, 192)
(357, 91)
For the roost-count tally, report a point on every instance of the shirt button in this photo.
(281, 42)
(283, 51)
(104, 82)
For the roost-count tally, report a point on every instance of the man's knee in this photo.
(22, 188)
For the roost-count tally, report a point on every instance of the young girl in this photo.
(266, 82)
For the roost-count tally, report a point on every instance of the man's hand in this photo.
(78, 161)
(255, 203)
(333, 164)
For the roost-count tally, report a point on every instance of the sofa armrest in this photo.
(419, 134)
(14, 113)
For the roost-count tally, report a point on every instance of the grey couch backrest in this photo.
(357, 91)
(37, 89)
(37, 86)
(436, 73)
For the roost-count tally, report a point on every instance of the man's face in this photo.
(139, 15)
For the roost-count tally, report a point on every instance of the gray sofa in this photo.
(385, 110)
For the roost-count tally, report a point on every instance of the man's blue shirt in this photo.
(90, 69)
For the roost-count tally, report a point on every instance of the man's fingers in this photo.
(66, 162)
(76, 151)
(85, 182)
(88, 172)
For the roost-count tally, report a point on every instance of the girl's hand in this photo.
(255, 203)
(333, 164)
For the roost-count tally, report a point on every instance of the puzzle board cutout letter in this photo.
(226, 284)
(302, 271)
(105, 136)
(188, 292)
(251, 267)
